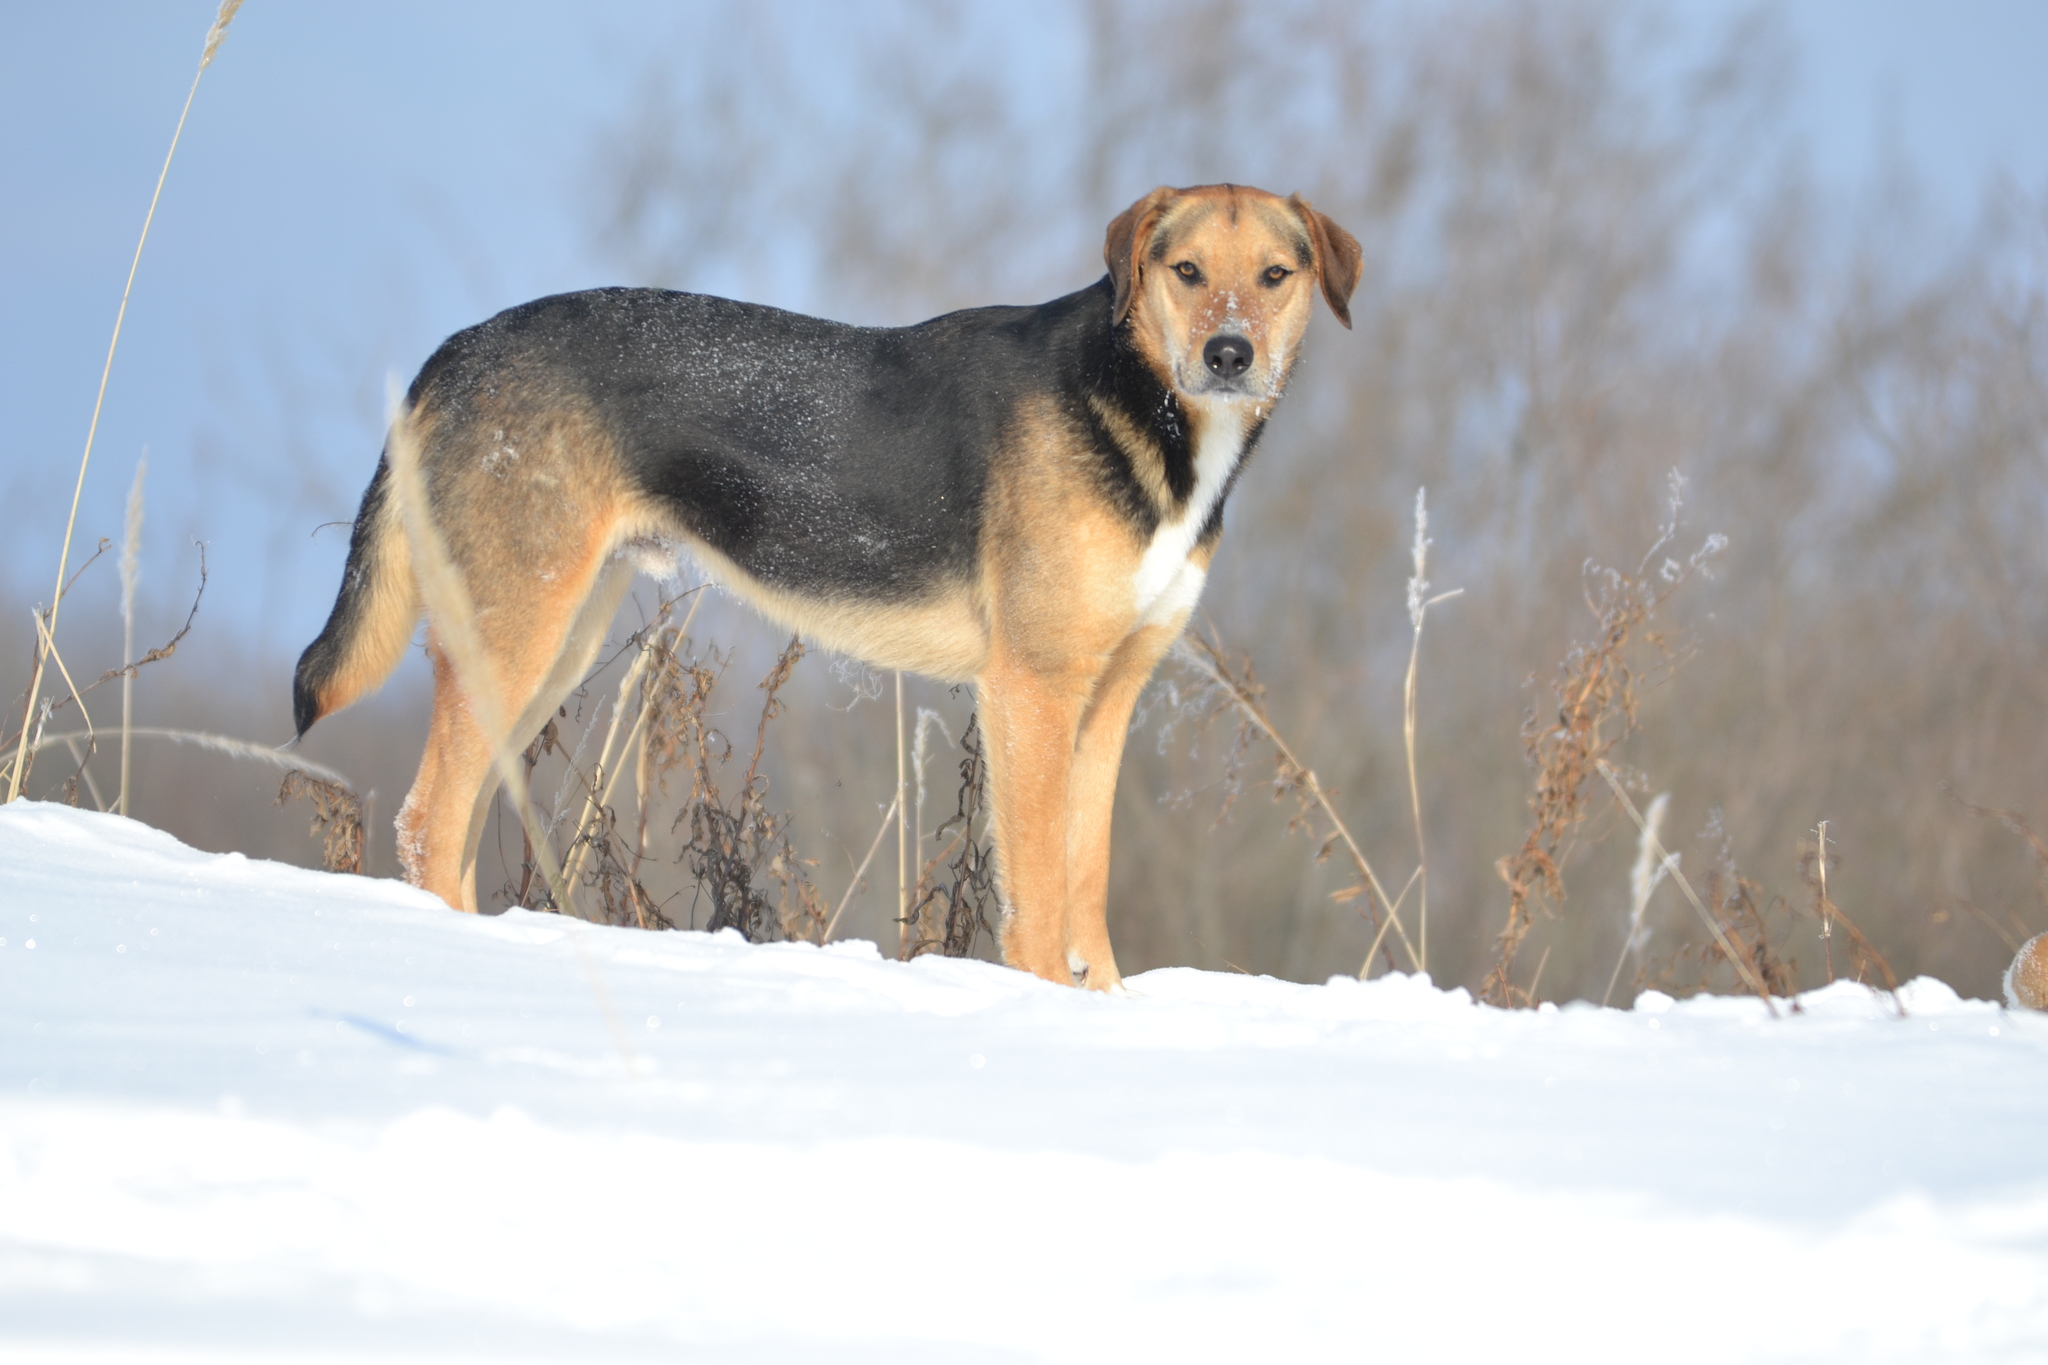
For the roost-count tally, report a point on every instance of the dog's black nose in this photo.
(1227, 356)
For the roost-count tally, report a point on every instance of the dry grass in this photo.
(131, 550)
(28, 743)
(214, 34)
(337, 818)
(1237, 688)
(948, 916)
(1596, 699)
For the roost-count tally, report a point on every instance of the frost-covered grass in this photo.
(250, 1111)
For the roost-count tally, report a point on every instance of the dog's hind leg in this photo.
(537, 657)
(1091, 800)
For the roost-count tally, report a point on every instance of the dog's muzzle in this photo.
(1228, 357)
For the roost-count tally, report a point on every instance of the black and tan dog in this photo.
(1026, 497)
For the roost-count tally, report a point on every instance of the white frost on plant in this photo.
(1649, 870)
(1418, 585)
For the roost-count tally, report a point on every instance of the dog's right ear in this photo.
(1122, 248)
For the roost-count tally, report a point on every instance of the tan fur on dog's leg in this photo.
(1092, 799)
(445, 813)
(1031, 719)
(579, 650)
(437, 809)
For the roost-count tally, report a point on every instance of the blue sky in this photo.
(359, 180)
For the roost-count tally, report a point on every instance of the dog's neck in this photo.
(1183, 452)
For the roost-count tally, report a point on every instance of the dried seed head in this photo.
(219, 31)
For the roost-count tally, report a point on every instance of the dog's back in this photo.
(819, 458)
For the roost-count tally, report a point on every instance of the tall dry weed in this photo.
(1595, 699)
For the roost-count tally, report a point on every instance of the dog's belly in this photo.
(940, 634)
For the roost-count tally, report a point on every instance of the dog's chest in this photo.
(1166, 585)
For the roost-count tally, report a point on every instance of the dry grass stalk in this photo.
(1419, 603)
(337, 818)
(730, 844)
(1827, 923)
(49, 648)
(1241, 690)
(69, 791)
(1743, 964)
(656, 640)
(596, 842)
(131, 549)
(1596, 693)
(26, 745)
(858, 873)
(1863, 954)
(214, 34)
(220, 744)
(1295, 778)
(1643, 878)
(950, 916)
(904, 937)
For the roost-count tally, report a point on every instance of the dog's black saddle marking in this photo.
(821, 458)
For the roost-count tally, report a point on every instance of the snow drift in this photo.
(253, 1112)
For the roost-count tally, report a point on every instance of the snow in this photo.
(250, 1112)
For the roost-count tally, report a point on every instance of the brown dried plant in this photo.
(1234, 685)
(948, 917)
(337, 818)
(732, 843)
(1596, 696)
(1863, 957)
(27, 745)
(666, 694)
(1752, 930)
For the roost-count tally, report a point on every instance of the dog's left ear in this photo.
(1128, 236)
(1338, 257)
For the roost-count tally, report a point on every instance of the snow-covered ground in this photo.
(253, 1112)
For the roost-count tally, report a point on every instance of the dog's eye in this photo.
(1277, 273)
(1189, 271)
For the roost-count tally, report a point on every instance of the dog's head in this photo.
(1218, 283)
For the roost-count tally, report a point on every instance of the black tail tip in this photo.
(306, 691)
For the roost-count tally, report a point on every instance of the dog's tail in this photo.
(373, 616)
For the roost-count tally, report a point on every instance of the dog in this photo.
(1025, 497)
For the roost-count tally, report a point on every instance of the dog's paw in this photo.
(1088, 976)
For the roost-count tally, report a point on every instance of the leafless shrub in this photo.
(949, 916)
(731, 842)
(337, 818)
(1865, 961)
(1596, 700)
(48, 708)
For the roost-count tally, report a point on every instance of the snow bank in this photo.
(253, 1112)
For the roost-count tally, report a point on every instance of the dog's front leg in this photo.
(1092, 799)
(1031, 717)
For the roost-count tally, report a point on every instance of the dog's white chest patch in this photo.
(1166, 584)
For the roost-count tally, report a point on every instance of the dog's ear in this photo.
(1122, 247)
(1338, 257)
